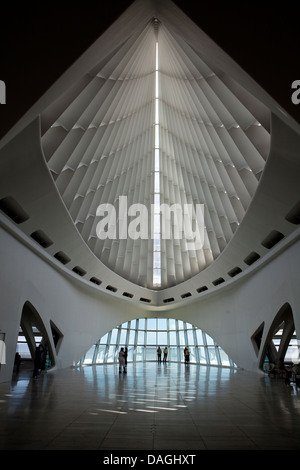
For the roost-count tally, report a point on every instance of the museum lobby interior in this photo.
(149, 197)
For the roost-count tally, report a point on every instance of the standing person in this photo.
(122, 361)
(165, 354)
(187, 355)
(159, 354)
(126, 354)
(184, 353)
(37, 361)
(43, 350)
(17, 361)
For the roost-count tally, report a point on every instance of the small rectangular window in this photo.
(251, 258)
(293, 216)
(127, 294)
(41, 238)
(170, 299)
(234, 272)
(62, 257)
(187, 294)
(111, 288)
(78, 270)
(13, 210)
(272, 239)
(95, 280)
(143, 299)
(218, 281)
(202, 289)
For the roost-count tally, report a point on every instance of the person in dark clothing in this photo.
(17, 361)
(159, 354)
(122, 365)
(38, 360)
(165, 354)
(186, 353)
(126, 354)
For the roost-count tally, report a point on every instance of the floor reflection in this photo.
(153, 406)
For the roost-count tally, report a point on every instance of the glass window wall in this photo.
(143, 336)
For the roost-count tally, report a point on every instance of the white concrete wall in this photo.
(83, 314)
(234, 314)
(76, 310)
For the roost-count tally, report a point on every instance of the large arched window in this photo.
(33, 332)
(144, 335)
(281, 344)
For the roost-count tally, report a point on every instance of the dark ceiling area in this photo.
(38, 42)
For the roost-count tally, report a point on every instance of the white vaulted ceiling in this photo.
(99, 137)
(224, 143)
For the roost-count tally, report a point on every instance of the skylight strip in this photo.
(156, 216)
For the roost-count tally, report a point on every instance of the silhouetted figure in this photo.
(122, 364)
(38, 360)
(186, 353)
(17, 361)
(159, 354)
(165, 354)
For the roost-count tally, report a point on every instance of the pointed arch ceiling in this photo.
(99, 143)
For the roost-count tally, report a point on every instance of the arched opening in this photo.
(256, 338)
(56, 335)
(32, 334)
(143, 336)
(281, 345)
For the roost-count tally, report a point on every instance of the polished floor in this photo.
(153, 407)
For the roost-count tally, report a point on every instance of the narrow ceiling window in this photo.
(156, 215)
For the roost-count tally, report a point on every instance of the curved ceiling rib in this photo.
(213, 148)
